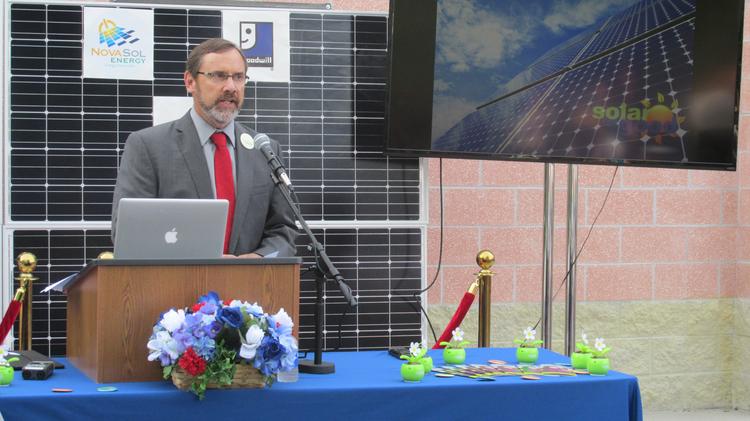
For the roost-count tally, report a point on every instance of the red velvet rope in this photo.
(458, 317)
(10, 317)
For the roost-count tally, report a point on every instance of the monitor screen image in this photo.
(625, 82)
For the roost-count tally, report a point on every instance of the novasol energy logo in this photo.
(115, 42)
(118, 43)
(657, 121)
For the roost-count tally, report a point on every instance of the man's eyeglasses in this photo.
(221, 77)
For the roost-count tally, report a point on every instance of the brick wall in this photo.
(665, 275)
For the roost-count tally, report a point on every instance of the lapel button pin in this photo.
(247, 141)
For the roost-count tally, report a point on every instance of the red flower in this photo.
(192, 363)
(197, 307)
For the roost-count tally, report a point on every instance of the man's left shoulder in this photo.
(241, 128)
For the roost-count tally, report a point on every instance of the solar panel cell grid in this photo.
(656, 70)
(68, 132)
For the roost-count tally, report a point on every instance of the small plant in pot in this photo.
(413, 370)
(6, 370)
(528, 347)
(454, 352)
(580, 359)
(599, 363)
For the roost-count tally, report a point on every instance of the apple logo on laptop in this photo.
(171, 236)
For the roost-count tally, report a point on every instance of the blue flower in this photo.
(280, 323)
(212, 297)
(268, 356)
(230, 316)
(289, 359)
(208, 308)
(204, 347)
(212, 329)
(254, 309)
(184, 338)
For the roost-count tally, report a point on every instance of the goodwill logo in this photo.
(118, 43)
(649, 121)
(256, 43)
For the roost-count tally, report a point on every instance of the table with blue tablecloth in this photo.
(366, 385)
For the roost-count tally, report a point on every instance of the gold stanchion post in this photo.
(26, 263)
(485, 260)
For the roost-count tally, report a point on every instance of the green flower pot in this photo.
(412, 372)
(454, 355)
(426, 363)
(6, 375)
(580, 360)
(598, 366)
(527, 355)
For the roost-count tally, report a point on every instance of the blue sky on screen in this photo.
(483, 44)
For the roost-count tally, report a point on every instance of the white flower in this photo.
(172, 320)
(584, 338)
(599, 344)
(163, 344)
(458, 334)
(529, 334)
(252, 340)
(283, 319)
(414, 348)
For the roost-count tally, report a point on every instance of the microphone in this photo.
(263, 143)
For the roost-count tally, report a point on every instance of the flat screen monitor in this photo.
(623, 82)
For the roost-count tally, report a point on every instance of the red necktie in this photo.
(224, 180)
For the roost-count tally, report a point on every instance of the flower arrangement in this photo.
(6, 370)
(210, 339)
(416, 353)
(600, 349)
(583, 346)
(457, 340)
(4, 347)
(528, 339)
(417, 364)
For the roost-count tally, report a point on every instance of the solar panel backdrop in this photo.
(67, 133)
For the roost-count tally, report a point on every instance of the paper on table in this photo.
(60, 285)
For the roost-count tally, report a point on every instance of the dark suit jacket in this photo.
(168, 161)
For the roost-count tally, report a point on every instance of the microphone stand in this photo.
(321, 270)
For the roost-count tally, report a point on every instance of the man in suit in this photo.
(205, 155)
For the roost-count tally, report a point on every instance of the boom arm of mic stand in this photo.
(327, 266)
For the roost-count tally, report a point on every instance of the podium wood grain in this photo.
(112, 309)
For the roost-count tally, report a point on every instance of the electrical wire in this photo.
(580, 250)
(415, 295)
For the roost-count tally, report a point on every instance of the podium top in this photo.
(182, 262)
(66, 283)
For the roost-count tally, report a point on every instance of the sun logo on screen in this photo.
(661, 120)
(111, 34)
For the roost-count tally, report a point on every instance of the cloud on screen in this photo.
(566, 14)
(479, 37)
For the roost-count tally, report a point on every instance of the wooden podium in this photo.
(114, 304)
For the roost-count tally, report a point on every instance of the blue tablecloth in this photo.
(366, 385)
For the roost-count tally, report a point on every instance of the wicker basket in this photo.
(245, 376)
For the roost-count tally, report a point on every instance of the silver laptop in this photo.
(170, 228)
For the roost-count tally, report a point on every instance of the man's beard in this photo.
(221, 117)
